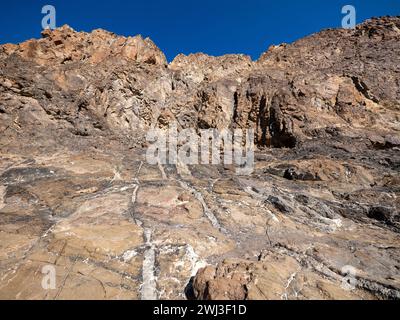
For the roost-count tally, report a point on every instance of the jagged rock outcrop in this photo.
(77, 193)
(332, 83)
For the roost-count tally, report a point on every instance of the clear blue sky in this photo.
(215, 27)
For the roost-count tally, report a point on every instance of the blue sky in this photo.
(214, 27)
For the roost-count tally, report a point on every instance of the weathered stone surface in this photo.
(76, 192)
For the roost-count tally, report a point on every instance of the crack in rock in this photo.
(149, 287)
(209, 214)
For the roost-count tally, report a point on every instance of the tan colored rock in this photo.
(77, 193)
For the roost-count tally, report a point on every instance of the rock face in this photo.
(77, 194)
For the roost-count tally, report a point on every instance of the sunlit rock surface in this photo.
(77, 193)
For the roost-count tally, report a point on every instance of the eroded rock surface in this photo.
(77, 193)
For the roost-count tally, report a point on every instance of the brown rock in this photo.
(77, 193)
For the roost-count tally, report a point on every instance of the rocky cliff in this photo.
(77, 193)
